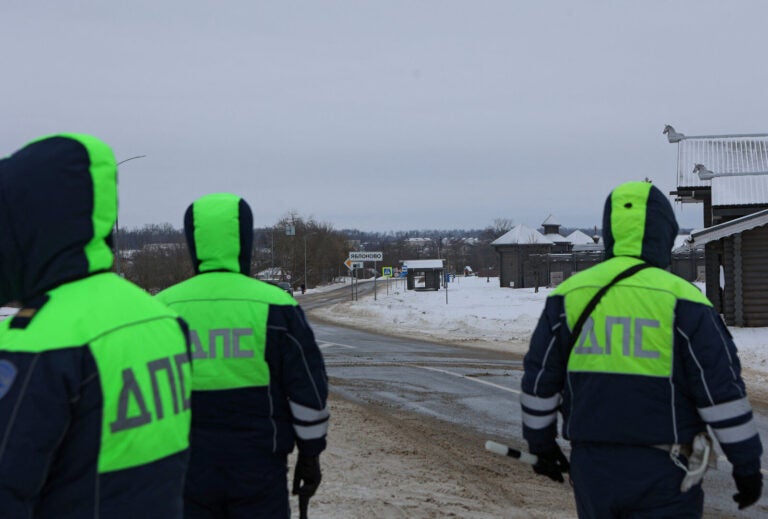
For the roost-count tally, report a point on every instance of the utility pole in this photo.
(116, 245)
(305, 258)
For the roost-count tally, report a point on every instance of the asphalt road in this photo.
(470, 387)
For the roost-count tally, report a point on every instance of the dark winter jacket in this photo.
(94, 373)
(259, 382)
(653, 364)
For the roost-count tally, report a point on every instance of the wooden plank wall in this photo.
(754, 262)
(746, 278)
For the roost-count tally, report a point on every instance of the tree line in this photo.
(302, 250)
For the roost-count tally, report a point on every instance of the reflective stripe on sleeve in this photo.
(307, 414)
(538, 422)
(737, 433)
(726, 411)
(311, 432)
(537, 403)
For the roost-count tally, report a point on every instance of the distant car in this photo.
(282, 284)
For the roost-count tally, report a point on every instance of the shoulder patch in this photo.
(7, 376)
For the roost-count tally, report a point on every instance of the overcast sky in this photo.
(389, 114)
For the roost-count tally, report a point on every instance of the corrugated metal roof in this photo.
(522, 235)
(736, 226)
(721, 154)
(746, 190)
(726, 154)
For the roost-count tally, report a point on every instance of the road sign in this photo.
(366, 256)
(386, 272)
(353, 264)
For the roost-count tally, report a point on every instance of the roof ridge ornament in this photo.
(672, 135)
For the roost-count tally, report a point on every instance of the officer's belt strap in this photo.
(686, 449)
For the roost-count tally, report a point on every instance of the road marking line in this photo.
(323, 345)
(479, 381)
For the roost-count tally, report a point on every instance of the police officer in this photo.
(94, 372)
(259, 382)
(639, 364)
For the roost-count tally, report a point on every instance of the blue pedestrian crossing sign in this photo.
(386, 272)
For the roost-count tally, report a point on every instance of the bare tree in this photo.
(502, 225)
(323, 248)
(158, 266)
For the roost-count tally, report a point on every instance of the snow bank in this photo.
(479, 311)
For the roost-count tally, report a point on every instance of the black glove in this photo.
(749, 489)
(306, 476)
(552, 463)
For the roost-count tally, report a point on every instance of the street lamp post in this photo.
(117, 214)
(305, 257)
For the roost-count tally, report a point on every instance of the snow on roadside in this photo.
(478, 311)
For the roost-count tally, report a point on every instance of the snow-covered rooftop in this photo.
(556, 238)
(551, 220)
(522, 235)
(423, 264)
(730, 228)
(579, 238)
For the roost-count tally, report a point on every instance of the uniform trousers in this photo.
(625, 481)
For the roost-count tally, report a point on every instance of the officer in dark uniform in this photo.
(94, 372)
(639, 364)
(259, 383)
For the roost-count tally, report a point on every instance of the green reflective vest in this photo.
(141, 355)
(631, 331)
(227, 315)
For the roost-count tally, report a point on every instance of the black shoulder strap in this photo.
(24, 316)
(624, 274)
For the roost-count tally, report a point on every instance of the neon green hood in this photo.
(219, 231)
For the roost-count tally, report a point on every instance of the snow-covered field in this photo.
(479, 312)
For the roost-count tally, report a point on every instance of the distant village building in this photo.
(520, 257)
(423, 274)
(528, 258)
(552, 232)
(728, 175)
